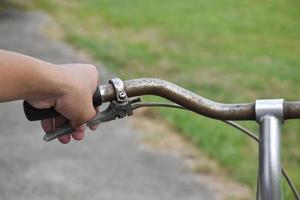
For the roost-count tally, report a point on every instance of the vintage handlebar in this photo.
(192, 101)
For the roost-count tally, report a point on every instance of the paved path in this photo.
(107, 165)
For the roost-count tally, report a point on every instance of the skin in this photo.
(69, 88)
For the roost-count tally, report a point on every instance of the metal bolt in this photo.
(122, 95)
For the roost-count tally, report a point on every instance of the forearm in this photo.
(24, 77)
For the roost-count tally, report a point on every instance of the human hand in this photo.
(74, 102)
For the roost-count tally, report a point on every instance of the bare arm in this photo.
(69, 88)
(24, 77)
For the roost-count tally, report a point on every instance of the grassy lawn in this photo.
(231, 51)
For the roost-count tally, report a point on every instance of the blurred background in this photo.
(228, 51)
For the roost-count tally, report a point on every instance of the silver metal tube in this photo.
(269, 159)
(269, 115)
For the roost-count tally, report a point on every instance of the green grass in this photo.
(228, 51)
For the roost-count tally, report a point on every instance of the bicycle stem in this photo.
(269, 115)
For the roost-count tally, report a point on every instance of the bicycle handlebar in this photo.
(192, 101)
(177, 94)
(183, 97)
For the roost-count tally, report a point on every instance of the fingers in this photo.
(95, 126)
(78, 134)
(47, 125)
(58, 122)
(53, 123)
(65, 139)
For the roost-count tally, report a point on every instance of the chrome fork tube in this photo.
(269, 115)
(269, 159)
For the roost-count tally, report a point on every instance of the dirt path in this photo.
(107, 165)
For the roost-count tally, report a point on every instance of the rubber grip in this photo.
(34, 114)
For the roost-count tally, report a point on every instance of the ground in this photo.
(108, 164)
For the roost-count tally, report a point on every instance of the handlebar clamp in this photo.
(118, 85)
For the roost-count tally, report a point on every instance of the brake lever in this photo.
(67, 128)
(115, 110)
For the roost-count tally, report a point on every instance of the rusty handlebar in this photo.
(192, 101)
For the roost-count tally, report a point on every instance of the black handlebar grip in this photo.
(34, 114)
